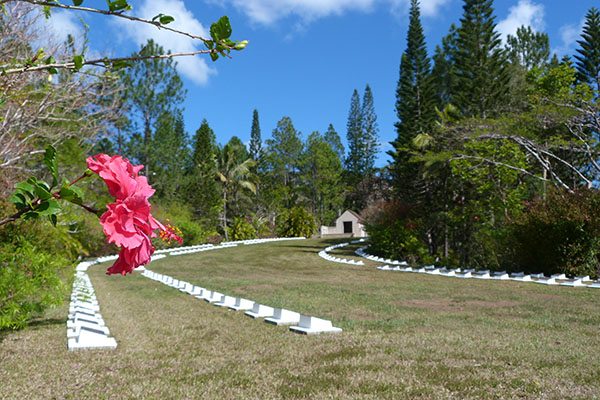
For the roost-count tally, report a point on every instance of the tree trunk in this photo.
(225, 214)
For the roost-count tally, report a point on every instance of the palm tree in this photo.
(235, 177)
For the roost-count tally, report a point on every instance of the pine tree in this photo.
(370, 131)
(203, 190)
(255, 138)
(588, 57)
(282, 165)
(415, 103)
(481, 67)
(152, 87)
(170, 155)
(239, 148)
(528, 49)
(443, 73)
(333, 138)
(354, 137)
(322, 178)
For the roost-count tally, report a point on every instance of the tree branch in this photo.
(119, 14)
(101, 62)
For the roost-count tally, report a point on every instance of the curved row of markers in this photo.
(402, 266)
(86, 328)
(325, 254)
(305, 324)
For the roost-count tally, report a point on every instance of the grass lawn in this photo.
(405, 336)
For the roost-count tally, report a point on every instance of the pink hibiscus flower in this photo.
(120, 176)
(128, 222)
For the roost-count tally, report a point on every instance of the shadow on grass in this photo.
(321, 245)
(33, 325)
(42, 322)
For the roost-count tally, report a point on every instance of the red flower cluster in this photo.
(128, 222)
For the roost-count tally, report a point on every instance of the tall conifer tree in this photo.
(152, 87)
(588, 57)
(255, 138)
(415, 102)
(528, 49)
(354, 137)
(282, 165)
(204, 194)
(370, 130)
(481, 64)
(170, 155)
(322, 178)
(443, 73)
(333, 138)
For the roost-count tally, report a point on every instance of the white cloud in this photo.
(194, 68)
(526, 13)
(267, 12)
(431, 8)
(64, 23)
(569, 34)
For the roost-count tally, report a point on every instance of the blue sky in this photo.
(305, 57)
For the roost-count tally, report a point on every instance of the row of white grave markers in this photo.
(324, 254)
(86, 328)
(557, 279)
(305, 324)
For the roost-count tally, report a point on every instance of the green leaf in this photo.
(72, 194)
(30, 215)
(121, 64)
(24, 186)
(214, 56)
(51, 163)
(166, 19)
(42, 193)
(118, 5)
(163, 19)
(19, 200)
(47, 11)
(48, 207)
(53, 219)
(220, 29)
(51, 60)
(36, 182)
(78, 60)
(77, 2)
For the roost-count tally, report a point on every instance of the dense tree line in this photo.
(489, 135)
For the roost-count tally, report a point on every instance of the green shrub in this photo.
(86, 229)
(214, 238)
(263, 227)
(393, 234)
(242, 229)
(180, 216)
(296, 222)
(36, 262)
(558, 235)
